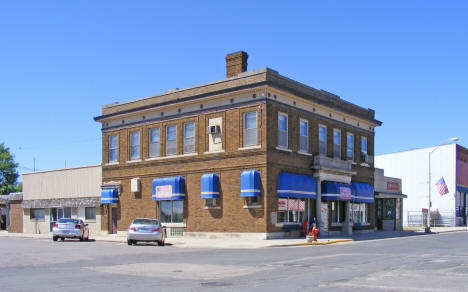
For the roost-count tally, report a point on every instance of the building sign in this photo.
(345, 193)
(282, 204)
(393, 186)
(163, 192)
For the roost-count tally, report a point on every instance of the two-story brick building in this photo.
(249, 155)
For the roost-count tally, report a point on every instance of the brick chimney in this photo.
(236, 63)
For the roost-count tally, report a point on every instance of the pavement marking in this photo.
(314, 258)
(180, 270)
(380, 287)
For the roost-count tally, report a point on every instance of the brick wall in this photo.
(16, 217)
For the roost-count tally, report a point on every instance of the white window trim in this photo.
(139, 145)
(287, 131)
(308, 146)
(149, 141)
(304, 153)
(347, 158)
(171, 156)
(326, 150)
(244, 128)
(336, 130)
(112, 163)
(283, 149)
(194, 138)
(108, 149)
(214, 152)
(176, 144)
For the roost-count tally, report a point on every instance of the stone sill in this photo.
(250, 147)
(214, 152)
(283, 149)
(171, 156)
(212, 208)
(304, 153)
(112, 163)
(252, 206)
(134, 161)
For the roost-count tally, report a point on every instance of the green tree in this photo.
(8, 172)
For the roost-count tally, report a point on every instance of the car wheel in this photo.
(82, 237)
(54, 238)
(161, 243)
(62, 238)
(129, 242)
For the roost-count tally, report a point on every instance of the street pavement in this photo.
(435, 262)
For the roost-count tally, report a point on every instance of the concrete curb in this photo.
(325, 242)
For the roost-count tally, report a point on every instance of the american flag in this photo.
(442, 186)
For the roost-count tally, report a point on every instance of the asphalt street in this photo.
(437, 262)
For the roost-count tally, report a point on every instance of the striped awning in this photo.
(250, 183)
(336, 191)
(296, 186)
(168, 188)
(362, 193)
(109, 196)
(210, 186)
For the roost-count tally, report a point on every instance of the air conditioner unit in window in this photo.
(135, 185)
(213, 129)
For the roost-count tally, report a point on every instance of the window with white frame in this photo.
(250, 129)
(189, 137)
(282, 130)
(171, 211)
(350, 146)
(303, 135)
(113, 148)
(291, 210)
(338, 209)
(90, 213)
(322, 140)
(364, 156)
(135, 145)
(360, 213)
(337, 143)
(171, 140)
(154, 138)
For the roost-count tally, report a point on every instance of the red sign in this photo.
(393, 186)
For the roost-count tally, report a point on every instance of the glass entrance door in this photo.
(58, 213)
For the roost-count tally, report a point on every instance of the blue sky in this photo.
(60, 61)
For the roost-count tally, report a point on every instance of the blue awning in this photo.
(109, 196)
(362, 193)
(462, 189)
(210, 186)
(168, 188)
(296, 186)
(250, 183)
(336, 191)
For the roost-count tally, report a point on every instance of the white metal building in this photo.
(412, 166)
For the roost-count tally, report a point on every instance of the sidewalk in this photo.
(188, 242)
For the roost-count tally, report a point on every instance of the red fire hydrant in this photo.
(315, 231)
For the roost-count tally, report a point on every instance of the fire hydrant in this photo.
(315, 231)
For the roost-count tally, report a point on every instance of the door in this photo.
(114, 220)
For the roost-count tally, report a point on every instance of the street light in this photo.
(428, 222)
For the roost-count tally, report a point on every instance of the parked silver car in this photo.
(70, 228)
(146, 229)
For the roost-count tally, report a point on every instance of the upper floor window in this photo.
(337, 143)
(350, 146)
(250, 129)
(304, 136)
(113, 147)
(135, 145)
(171, 140)
(189, 137)
(364, 156)
(282, 130)
(322, 140)
(154, 137)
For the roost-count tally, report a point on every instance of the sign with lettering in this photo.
(163, 192)
(345, 193)
(393, 186)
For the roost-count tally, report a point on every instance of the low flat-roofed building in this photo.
(62, 193)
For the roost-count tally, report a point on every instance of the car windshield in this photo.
(67, 220)
(146, 221)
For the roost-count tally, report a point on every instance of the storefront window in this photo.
(171, 211)
(338, 211)
(360, 213)
(291, 210)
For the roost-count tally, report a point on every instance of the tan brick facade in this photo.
(267, 101)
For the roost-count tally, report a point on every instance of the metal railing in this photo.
(439, 218)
